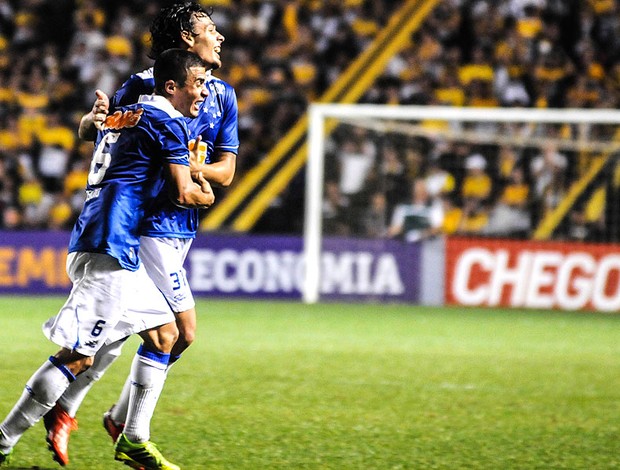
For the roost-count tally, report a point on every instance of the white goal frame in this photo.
(320, 112)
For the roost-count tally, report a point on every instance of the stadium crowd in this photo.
(282, 54)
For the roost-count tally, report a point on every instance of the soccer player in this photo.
(137, 149)
(168, 233)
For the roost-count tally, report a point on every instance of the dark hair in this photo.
(170, 22)
(173, 64)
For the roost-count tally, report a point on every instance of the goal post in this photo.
(324, 118)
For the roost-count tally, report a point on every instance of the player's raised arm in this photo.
(94, 119)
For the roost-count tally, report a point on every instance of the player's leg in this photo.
(85, 321)
(148, 309)
(148, 373)
(71, 400)
(186, 323)
(60, 421)
(42, 390)
(114, 419)
(163, 260)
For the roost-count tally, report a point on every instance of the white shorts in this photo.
(161, 287)
(163, 259)
(95, 304)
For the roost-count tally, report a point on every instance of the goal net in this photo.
(397, 177)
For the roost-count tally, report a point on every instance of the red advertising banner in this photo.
(508, 273)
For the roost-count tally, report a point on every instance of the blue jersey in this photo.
(216, 123)
(127, 174)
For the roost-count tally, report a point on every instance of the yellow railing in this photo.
(550, 222)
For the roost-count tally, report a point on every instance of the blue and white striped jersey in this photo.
(216, 123)
(126, 176)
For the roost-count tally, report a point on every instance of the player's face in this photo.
(188, 97)
(207, 41)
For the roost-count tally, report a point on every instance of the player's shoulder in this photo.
(221, 86)
(141, 83)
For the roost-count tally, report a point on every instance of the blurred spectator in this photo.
(421, 218)
(356, 157)
(335, 207)
(56, 143)
(60, 213)
(374, 217)
(549, 173)
(510, 216)
(452, 215)
(474, 218)
(477, 184)
(12, 218)
(438, 181)
(393, 178)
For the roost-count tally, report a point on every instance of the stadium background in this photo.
(282, 55)
(280, 385)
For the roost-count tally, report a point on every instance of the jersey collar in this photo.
(160, 102)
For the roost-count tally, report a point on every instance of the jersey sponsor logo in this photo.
(122, 120)
(517, 274)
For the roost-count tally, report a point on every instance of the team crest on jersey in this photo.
(219, 88)
(121, 120)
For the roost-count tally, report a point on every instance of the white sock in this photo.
(42, 390)
(119, 411)
(73, 397)
(148, 373)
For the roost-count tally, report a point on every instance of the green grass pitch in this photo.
(281, 385)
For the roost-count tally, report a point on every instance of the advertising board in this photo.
(546, 275)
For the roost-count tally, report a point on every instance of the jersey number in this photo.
(178, 280)
(101, 158)
(98, 328)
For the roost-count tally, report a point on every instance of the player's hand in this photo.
(205, 187)
(195, 164)
(203, 183)
(100, 109)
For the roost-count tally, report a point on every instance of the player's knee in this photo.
(82, 365)
(72, 361)
(162, 338)
(168, 339)
(187, 337)
(186, 322)
(87, 362)
(167, 335)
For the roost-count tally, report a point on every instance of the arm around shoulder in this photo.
(221, 172)
(187, 193)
